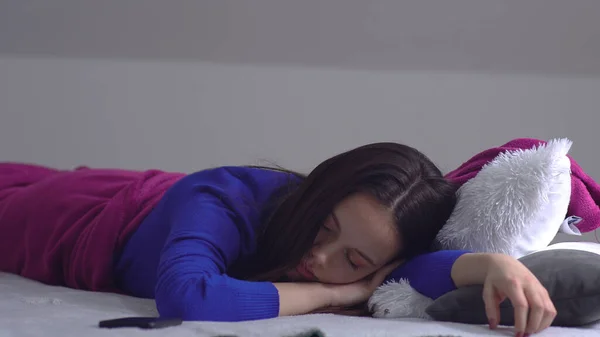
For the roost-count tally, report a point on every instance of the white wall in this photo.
(187, 116)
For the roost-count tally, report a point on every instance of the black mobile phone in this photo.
(140, 322)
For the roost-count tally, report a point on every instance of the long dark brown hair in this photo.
(400, 177)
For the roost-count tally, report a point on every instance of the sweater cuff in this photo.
(258, 301)
(429, 274)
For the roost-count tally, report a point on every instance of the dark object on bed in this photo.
(309, 333)
(571, 277)
(139, 322)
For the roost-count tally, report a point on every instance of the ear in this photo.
(398, 300)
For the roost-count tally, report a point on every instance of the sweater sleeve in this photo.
(192, 283)
(429, 274)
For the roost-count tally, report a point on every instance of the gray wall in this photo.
(188, 116)
(533, 36)
(129, 83)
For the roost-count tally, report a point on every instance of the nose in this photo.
(321, 255)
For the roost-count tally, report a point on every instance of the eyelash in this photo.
(352, 264)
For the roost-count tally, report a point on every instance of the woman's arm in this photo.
(502, 277)
(298, 298)
(302, 298)
(470, 269)
(430, 274)
(192, 281)
(207, 235)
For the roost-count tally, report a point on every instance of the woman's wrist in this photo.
(471, 268)
(303, 298)
(328, 294)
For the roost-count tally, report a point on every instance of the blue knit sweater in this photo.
(181, 253)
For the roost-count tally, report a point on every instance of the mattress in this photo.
(29, 308)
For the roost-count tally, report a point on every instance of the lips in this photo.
(305, 273)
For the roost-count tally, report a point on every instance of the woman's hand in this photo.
(508, 278)
(505, 277)
(357, 293)
(313, 297)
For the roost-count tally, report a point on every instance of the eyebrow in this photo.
(363, 255)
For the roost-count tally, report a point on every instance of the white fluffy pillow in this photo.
(398, 299)
(515, 205)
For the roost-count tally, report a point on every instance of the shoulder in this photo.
(238, 196)
(233, 181)
(227, 175)
(259, 177)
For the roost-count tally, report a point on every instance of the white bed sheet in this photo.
(28, 308)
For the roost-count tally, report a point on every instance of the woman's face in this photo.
(357, 239)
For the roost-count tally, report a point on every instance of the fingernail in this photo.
(492, 323)
(519, 334)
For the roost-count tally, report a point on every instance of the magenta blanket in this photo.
(65, 227)
(585, 194)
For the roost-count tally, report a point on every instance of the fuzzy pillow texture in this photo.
(572, 278)
(398, 300)
(515, 205)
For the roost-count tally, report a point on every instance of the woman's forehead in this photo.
(368, 225)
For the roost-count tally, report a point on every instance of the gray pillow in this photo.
(572, 278)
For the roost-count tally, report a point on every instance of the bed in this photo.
(29, 308)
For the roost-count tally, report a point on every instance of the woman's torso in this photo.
(246, 190)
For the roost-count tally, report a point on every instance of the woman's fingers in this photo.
(533, 309)
(514, 291)
(492, 306)
(386, 270)
(382, 273)
(549, 315)
(537, 309)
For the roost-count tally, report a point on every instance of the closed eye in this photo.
(350, 262)
(326, 228)
(328, 225)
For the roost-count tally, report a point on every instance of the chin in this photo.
(347, 280)
(341, 282)
(294, 277)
